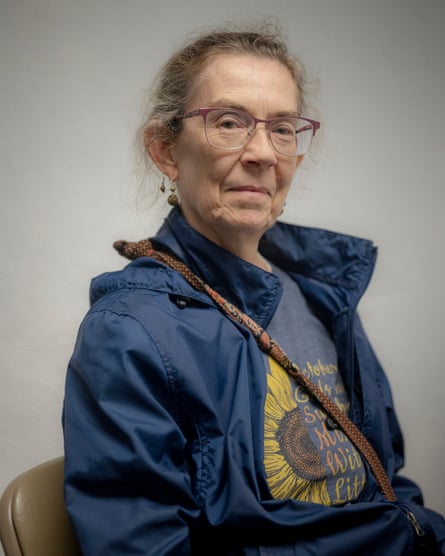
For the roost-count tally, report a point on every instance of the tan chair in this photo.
(33, 519)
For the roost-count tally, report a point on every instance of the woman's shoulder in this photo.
(143, 274)
(142, 286)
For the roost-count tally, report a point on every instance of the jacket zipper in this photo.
(420, 532)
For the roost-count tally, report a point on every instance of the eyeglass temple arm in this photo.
(314, 126)
(188, 114)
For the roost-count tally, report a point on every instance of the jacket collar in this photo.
(253, 290)
(332, 269)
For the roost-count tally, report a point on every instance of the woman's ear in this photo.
(159, 145)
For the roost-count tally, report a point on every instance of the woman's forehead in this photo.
(234, 75)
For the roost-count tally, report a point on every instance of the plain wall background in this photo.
(73, 73)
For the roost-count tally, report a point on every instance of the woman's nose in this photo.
(259, 149)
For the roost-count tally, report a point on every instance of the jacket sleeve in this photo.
(124, 492)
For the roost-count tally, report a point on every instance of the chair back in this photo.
(33, 518)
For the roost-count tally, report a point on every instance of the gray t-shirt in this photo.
(304, 456)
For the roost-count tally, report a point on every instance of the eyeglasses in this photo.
(231, 129)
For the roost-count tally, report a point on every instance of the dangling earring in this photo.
(173, 199)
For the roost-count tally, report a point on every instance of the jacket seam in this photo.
(163, 354)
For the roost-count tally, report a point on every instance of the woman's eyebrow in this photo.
(225, 103)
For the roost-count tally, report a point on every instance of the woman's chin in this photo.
(254, 220)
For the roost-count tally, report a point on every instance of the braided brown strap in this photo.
(269, 346)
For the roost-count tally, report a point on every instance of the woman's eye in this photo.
(285, 130)
(229, 122)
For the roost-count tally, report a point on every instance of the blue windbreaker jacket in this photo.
(164, 407)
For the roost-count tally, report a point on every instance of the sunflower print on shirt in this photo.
(302, 458)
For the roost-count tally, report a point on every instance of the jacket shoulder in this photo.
(142, 276)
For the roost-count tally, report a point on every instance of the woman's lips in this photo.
(251, 189)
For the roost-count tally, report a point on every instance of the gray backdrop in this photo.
(73, 73)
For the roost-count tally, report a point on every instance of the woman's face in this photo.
(234, 196)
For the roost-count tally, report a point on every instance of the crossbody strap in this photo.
(267, 344)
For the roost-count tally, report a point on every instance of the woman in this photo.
(187, 430)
